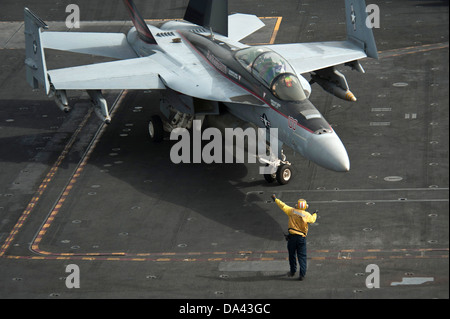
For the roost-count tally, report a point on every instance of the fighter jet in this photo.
(203, 71)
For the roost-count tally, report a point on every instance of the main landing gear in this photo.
(157, 126)
(156, 129)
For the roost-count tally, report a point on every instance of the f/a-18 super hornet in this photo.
(203, 71)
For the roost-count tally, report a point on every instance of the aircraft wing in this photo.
(112, 45)
(308, 57)
(158, 71)
(124, 74)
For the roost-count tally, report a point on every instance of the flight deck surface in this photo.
(105, 198)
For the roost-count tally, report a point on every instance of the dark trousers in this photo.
(297, 249)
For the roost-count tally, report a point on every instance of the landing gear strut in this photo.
(283, 172)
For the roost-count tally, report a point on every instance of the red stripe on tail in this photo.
(139, 23)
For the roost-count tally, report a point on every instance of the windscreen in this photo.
(247, 56)
(287, 87)
(268, 65)
(273, 71)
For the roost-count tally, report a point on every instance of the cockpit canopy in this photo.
(273, 71)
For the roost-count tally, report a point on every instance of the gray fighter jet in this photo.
(204, 72)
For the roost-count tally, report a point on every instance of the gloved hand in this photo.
(274, 197)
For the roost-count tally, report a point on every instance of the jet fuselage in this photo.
(300, 125)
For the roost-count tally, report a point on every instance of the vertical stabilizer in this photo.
(357, 30)
(34, 51)
(139, 23)
(209, 14)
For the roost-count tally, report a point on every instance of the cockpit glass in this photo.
(268, 65)
(246, 56)
(287, 87)
(272, 70)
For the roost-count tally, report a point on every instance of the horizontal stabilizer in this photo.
(241, 25)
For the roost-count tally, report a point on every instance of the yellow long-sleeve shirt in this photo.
(298, 219)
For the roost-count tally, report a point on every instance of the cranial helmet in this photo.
(302, 204)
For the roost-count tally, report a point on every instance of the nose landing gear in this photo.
(282, 175)
(280, 170)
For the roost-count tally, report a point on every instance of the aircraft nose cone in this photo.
(328, 151)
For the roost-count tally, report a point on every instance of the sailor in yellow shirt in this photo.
(299, 219)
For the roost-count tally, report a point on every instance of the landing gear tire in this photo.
(155, 129)
(270, 178)
(284, 174)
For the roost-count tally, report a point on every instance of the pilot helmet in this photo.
(302, 204)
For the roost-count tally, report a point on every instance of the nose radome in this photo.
(328, 151)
